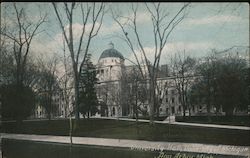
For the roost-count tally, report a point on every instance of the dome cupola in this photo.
(111, 52)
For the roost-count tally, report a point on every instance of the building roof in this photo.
(111, 52)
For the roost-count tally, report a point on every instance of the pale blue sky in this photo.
(207, 26)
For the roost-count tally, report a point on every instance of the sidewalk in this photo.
(183, 123)
(138, 144)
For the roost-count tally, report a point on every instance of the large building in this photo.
(110, 70)
(116, 88)
(122, 92)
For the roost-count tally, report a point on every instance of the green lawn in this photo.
(220, 120)
(30, 149)
(130, 130)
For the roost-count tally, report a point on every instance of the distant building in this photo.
(57, 106)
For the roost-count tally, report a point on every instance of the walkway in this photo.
(138, 144)
(184, 123)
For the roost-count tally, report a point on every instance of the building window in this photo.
(102, 71)
(166, 92)
(166, 100)
(173, 111)
(179, 108)
(173, 100)
(160, 109)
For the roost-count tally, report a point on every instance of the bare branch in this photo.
(128, 41)
(75, 53)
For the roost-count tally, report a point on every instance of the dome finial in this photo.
(111, 45)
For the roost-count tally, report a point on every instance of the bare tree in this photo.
(134, 92)
(163, 24)
(48, 86)
(92, 15)
(183, 68)
(6, 58)
(22, 35)
(65, 82)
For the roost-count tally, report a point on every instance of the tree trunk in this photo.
(88, 114)
(184, 111)
(76, 96)
(229, 111)
(183, 104)
(151, 101)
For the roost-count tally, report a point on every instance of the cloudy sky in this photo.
(207, 26)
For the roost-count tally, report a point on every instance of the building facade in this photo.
(110, 69)
(119, 90)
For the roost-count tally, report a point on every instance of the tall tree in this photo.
(134, 92)
(206, 84)
(48, 86)
(231, 85)
(65, 82)
(88, 99)
(223, 83)
(183, 68)
(92, 16)
(163, 23)
(19, 34)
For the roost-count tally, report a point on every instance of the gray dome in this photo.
(111, 53)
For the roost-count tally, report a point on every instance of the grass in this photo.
(131, 130)
(30, 149)
(220, 120)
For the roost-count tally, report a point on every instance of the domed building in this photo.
(110, 64)
(110, 68)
